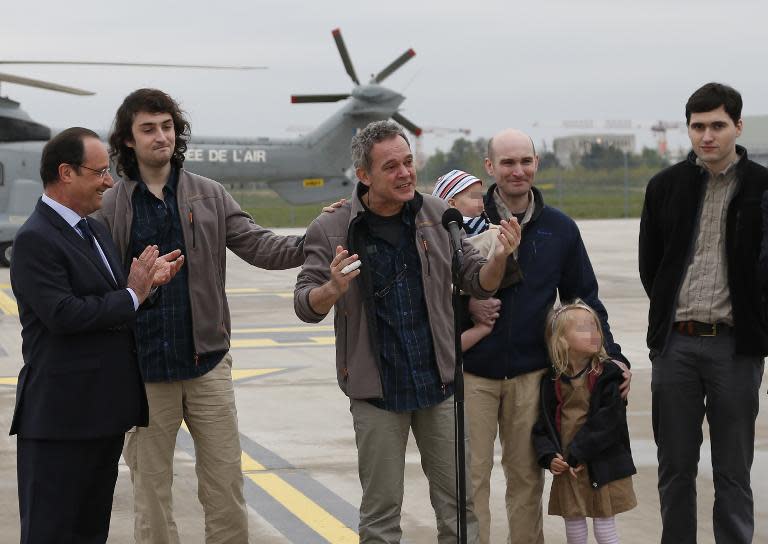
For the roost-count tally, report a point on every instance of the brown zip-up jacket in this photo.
(357, 354)
(211, 222)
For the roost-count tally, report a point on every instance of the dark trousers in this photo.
(694, 377)
(66, 488)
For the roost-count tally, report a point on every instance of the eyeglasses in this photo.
(102, 173)
(384, 291)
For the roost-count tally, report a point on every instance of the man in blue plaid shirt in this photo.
(394, 326)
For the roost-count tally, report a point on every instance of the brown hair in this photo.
(150, 101)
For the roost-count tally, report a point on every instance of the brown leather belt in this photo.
(697, 328)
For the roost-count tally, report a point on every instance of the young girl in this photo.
(581, 435)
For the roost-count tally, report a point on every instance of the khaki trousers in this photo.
(381, 438)
(512, 407)
(207, 405)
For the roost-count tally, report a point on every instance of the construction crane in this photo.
(438, 132)
(659, 129)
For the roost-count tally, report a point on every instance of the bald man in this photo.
(503, 371)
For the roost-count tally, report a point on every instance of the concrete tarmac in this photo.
(300, 460)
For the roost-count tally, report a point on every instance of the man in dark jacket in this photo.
(503, 371)
(700, 237)
(80, 388)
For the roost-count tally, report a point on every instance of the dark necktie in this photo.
(85, 230)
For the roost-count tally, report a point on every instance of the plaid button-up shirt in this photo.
(165, 344)
(409, 373)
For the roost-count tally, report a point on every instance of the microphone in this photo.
(452, 222)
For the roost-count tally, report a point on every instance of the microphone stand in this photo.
(458, 405)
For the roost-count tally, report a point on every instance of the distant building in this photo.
(755, 138)
(569, 149)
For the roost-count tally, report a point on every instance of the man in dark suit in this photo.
(80, 388)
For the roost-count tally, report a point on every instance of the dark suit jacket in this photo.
(80, 377)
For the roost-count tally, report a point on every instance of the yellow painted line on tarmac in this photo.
(8, 304)
(305, 509)
(244, 290)
(297, 328)
(237, 374)
(244, 373)
(257, 291)
(269, 343)
(254, 343)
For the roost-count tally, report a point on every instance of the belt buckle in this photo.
(713, 332)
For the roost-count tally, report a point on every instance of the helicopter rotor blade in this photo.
(408, 125)
(345, 58)
(315, 98)
(29, 82)
(141, 64)
(397, 63)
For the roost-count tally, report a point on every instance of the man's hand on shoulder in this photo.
(332, 207)
(627, 373)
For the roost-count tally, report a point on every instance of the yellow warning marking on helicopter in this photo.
(8, 304)
(11, 380)
(313, 182)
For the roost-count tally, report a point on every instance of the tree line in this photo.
(469, 156)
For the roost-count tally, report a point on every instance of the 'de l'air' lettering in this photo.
(226, 155)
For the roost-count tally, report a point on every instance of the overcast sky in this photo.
(482, 64)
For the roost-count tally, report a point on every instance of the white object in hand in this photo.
(351, 266)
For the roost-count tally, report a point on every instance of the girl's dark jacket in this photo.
(602, 444)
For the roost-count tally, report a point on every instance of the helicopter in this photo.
(315, 167)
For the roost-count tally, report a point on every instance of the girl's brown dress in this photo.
(575, 497)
